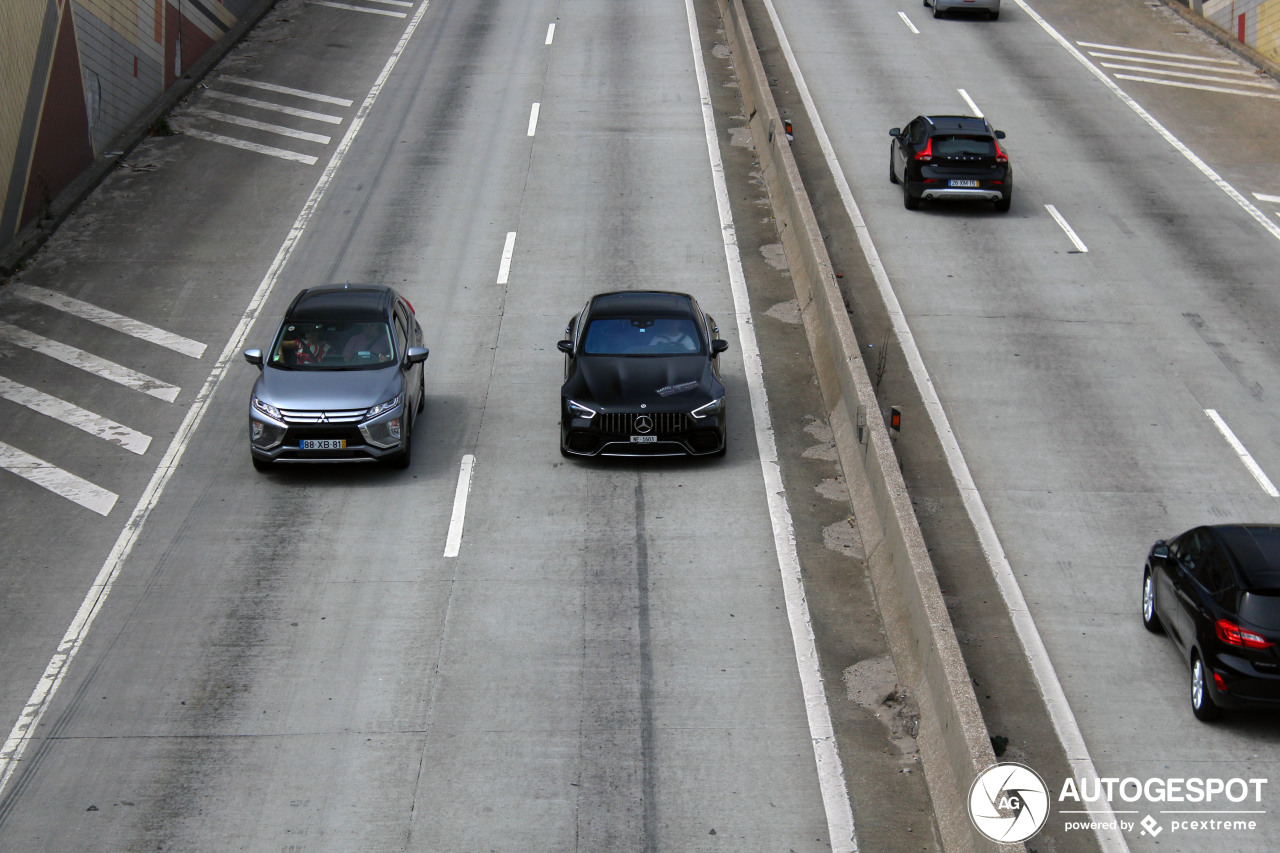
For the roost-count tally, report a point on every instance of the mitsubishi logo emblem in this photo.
(644, 424)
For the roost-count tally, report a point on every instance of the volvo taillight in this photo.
(927, 153)
(1001, 157)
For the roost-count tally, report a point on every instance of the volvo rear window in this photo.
(963, 146)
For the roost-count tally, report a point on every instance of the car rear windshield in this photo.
(1261, 609)
(641, 336)
(964, 146)
(332, 346)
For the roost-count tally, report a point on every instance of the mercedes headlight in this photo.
(580, 410)
(715, 407)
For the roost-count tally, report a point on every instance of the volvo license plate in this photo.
(958, 183)
(323, 444)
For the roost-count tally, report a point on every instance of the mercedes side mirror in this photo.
(718, 346)
(565, 347)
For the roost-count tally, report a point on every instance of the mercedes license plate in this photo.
(962, 183)
(644, 439)
(324, 444)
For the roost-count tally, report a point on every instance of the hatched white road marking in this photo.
(1254, 468)
(109, 319)
(261, 125)
(60, 482)
(1271, 199)
(231, 141)
(1159, 71)
(276, 108)
(350, 8)
(89, 362)
(285, 90)
(68, 413)
(453, 542)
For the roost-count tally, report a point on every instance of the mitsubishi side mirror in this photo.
(254, 357)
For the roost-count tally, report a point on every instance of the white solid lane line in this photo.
(453, 542)
(1065, 724)
(280, 153)
(1254, 468)
(907, 21)
(60, 482)
(970, 102)
(275, 108)
(91, 363)
(533, 118)
(504, 268)
(110, 319)
(47, 686)
(1062, 223)
(285, 90)
(82, 419)
(830, 771)
(280, 130)
(551, 33)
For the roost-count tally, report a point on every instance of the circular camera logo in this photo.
(1008, 803)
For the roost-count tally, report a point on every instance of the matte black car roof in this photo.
(1256, 549)
(650, 302)
(967, 124)
(341, 302)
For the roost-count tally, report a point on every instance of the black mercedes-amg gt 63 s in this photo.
(642, 378)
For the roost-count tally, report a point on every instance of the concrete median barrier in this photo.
(953, 740)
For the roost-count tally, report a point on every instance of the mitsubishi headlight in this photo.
(267, 409)
(715, 407)
(383, 407)
(580, 410)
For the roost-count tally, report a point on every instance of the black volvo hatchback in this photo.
(1215, 591)
(641, 378)
(342, 381)
(950, 158)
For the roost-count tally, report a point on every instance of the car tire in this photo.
(261, 465)
(893, 177)
(1202, 704)
(1150, 619)
(909, 201)
(937, 13)
(1006, 200)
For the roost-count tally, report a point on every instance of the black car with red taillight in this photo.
(950, 158)
(1215, 591)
